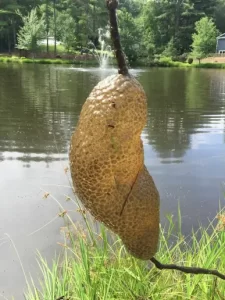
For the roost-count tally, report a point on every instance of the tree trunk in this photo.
(9, 43)
(47, 46)
(177, 17)
(54, 28)
(87, 21)
(47, 24)
(94, 19)
(14, 33)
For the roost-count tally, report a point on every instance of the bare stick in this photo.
(112, 6)
(190, 270)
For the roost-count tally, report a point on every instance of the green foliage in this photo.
(31, 31)
(147, 28)
(204, 40)
(219, 15)
(10, 22)
(100, 268)
(190, 60)
(15, 59)
(157, 62)
(210, 66)
(170, 50)
(167, 20)
(66, 25)
(130, 35)
(164, 61)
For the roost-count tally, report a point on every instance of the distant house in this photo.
(220, 45)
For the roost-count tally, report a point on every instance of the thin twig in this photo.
(42, 227)
(190, 270)
(120, 57)
(18, 256)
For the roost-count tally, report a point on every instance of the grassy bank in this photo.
(166, 62)
(163, 62)
(23, 60)
(210, 65)
(100, 268)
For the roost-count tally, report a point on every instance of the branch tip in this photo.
(120, 57)
(189, 270)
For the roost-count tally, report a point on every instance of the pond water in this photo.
(184, 143)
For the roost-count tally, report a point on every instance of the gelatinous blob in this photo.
(107, 164)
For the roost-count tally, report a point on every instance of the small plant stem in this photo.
(190, 270)
(121, 61)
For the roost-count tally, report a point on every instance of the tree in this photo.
(170, 50)
(219, 15)
(132, 6)
(47, 14)
(204, 40)
(130, 37)
(31, 31)
(8, 22)
(205, 7)
(65, 29)
(46, 11)
(153, 23)
(167, 20)
(54, 22)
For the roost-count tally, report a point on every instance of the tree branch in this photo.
(112, 6)
(190, 270)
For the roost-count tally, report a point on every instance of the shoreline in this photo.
(96, 263)
(23, 60)
(163, 63)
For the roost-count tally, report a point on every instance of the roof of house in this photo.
(222, 36)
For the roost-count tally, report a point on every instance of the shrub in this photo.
(183, 57)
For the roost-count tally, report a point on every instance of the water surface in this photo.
(184, 143)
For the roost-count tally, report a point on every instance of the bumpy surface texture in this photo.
(107, 164)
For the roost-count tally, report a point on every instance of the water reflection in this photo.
(182, 105)
(184, 143)
(40, 106)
